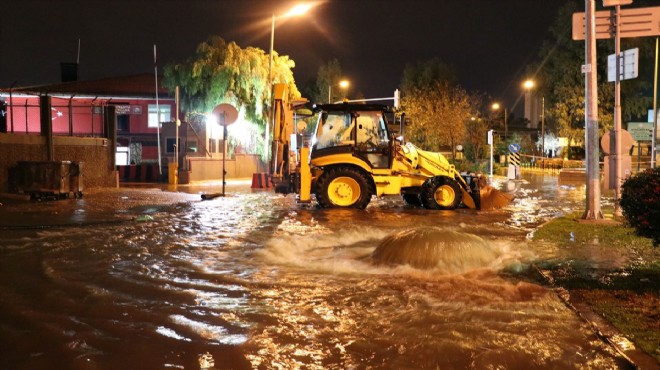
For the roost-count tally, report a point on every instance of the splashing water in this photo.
(436, 248)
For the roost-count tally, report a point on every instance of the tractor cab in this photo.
(359, 129)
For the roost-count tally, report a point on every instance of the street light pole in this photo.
(270, 88)
(543, 132)
(496, 107)
(299, 9)
(505, 126)
(343, 84)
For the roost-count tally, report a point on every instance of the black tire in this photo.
(476, 194)
(441, 193)
(343, 187)
(411, 199)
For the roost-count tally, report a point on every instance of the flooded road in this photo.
(149, 279)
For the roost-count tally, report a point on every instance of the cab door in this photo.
(371, 138)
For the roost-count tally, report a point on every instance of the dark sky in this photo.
(489, 42)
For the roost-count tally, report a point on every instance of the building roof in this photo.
(137, 86)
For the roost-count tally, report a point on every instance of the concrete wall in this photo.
(95, 154)
(241, 166)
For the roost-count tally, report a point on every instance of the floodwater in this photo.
(151, 279)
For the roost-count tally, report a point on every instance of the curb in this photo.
(606, 331)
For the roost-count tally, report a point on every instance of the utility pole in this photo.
(617, 113)
(593, 211)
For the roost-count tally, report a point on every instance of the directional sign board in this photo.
(514, 147)
(635, 22)
(616, 2)
(628, 65)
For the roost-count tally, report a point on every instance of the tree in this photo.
(327, 79)
(427, 74)
(439, 114)
(437, 106)
(222, 72)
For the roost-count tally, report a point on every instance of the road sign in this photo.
(514, 147)
(641, 131)
(635, 22)
(628, 65)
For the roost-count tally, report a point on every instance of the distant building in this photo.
(77, 109)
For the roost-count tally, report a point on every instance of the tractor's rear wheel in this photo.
(343, 187)
(441, 193)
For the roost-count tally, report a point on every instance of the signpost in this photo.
(638, 22)
(641, 131)
(226, 114)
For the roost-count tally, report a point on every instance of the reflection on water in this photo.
(253, 280)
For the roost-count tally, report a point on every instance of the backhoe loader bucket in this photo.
(492, 198)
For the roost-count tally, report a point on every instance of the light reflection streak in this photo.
(209, 332)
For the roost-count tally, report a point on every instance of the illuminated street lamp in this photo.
(297, 10)
(342, 84)
(496, 107)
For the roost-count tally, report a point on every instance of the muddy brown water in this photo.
(152, 279)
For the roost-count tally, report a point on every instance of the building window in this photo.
(123, 123)
(165, 114)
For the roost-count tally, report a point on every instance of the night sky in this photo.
(489, 42)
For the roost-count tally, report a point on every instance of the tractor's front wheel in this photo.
(343, 187)
(441, 193)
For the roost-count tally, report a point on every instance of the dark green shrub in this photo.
(640, 203)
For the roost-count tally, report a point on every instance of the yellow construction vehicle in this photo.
(353, 155)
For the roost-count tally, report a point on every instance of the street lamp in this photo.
(529, 85)
(297, 10)
(342, 84)
(496, 107)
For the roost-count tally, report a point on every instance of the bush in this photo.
(640, 203)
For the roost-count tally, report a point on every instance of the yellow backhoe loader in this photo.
(353, 155)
